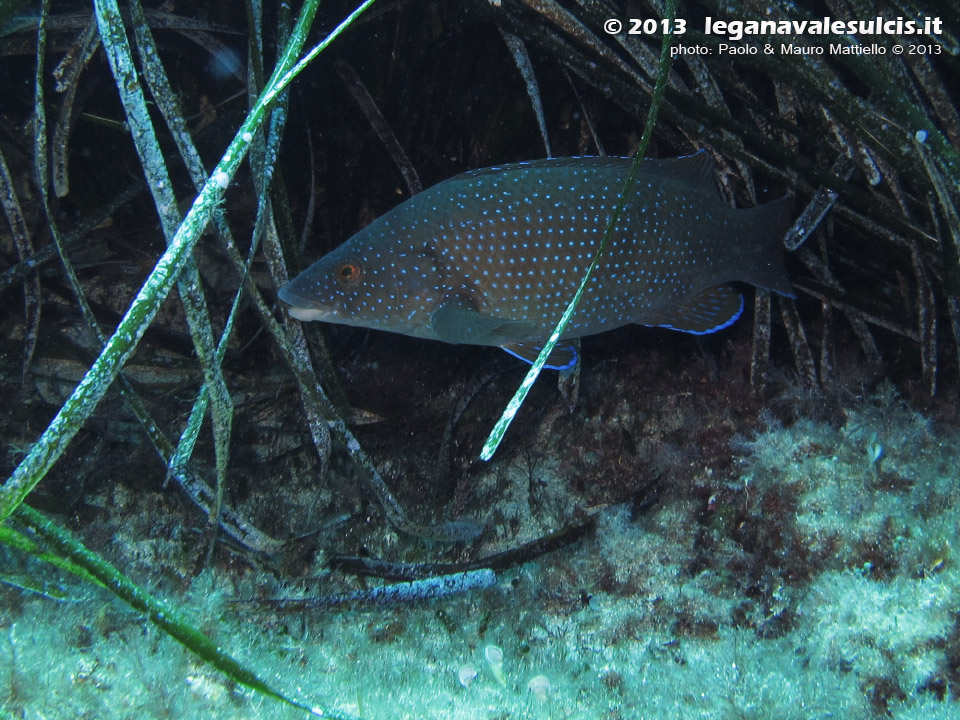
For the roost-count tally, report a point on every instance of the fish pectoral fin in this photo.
(456, 321)
(563, 357)
(705, 313)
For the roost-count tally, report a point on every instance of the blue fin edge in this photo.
(569, 366)
(727, 323)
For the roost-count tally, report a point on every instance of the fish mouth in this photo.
(301, 308)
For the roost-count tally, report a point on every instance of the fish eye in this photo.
(349, 271)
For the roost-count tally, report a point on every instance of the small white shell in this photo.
(466, 675)
(539, 685)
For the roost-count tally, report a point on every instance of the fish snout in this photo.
(301, 307)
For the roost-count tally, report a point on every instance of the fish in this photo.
(493, 256)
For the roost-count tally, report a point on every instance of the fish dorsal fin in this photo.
(563, 357)
(457, 321)
(578, 162)
(696, 170)
(704, 313)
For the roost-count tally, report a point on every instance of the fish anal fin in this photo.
(704, 313)
(563, 357)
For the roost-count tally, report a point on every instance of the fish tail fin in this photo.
(767, 269)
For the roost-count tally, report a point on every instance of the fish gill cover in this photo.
(758, 521)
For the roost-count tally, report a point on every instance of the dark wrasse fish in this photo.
(493, 256)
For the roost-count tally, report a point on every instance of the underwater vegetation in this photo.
(211, 508)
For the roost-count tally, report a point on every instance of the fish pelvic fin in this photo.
(563, 357)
